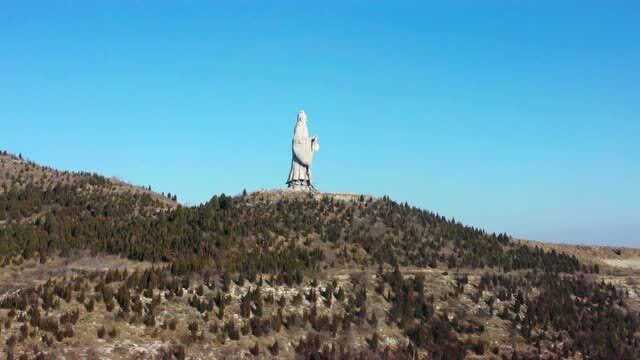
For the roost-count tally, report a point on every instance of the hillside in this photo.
(616, 257)
(111, 270)
(18, 174)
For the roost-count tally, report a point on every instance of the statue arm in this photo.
(303, 150)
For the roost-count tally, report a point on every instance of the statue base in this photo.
(301, 186)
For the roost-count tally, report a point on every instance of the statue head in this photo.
(302, 116)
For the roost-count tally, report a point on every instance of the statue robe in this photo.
(303, 148)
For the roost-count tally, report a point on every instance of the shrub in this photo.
(11, 341)
(231, 330)
(89, 305)
(113, 332)
(193, 328)
(149, 319)
(275, 348)
(47, 340)
(255, 350)
(213, 327)
(109, 304)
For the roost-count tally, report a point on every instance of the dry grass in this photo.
(612, 259)
(632, 263)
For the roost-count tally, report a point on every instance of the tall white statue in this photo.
(303, 148)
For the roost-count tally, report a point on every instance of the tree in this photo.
(193, 328)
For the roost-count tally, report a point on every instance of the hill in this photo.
(21, 175)
(114, 271)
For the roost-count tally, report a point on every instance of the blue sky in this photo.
(515, 116)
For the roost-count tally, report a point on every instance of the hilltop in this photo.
(113, 270)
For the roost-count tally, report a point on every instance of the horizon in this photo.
(513, 118)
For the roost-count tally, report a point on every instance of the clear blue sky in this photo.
(516, 116)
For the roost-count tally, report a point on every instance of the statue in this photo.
(303, 149)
